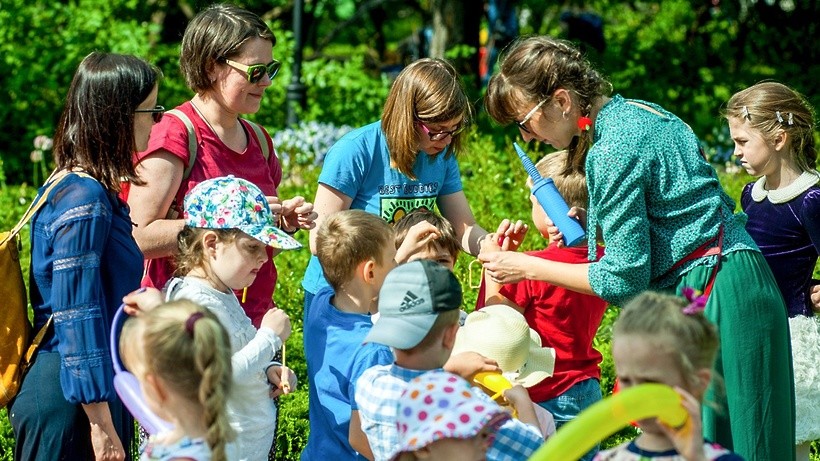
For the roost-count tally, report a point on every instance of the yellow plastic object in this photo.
(606, 417)
(494, 382)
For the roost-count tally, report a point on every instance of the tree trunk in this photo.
(457, 22)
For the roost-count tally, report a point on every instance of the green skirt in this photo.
(749, 407)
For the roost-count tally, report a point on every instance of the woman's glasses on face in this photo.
(439, 135)
(255, 72)
(156, 113)
(523, 123)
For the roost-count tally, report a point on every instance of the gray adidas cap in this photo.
(412, 296)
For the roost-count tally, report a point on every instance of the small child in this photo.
(666, 339)
(566, 320)
(419, 306)
(440, 418)
(501, 333)
(773, 129)
(228, 225)
(443, 249)
(181, 355)
(356, 251)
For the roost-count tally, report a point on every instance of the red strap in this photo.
(713, 246)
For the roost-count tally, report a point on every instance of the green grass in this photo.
(494, 185)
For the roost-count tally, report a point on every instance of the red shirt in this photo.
(566, 321)
(215, 159)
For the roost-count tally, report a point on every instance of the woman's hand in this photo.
(688, 438)
(141, 301)
(294, 213)
(510, 234)
(104, 439)
(555, 235)
(504, 266)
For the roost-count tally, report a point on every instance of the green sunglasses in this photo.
(255, 72)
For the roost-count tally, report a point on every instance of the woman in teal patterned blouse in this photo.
(659, 208)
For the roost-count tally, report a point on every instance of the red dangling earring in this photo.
(584, 123)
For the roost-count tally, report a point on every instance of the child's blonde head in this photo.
(770, 107)
(572, 185)
(689, 337)
(447, 241)
(347, 238)
(185, 345)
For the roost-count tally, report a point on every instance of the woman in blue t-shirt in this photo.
(404, 162)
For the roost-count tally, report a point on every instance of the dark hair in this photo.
(96, 129)
(763, 102)
(428, 90)
(530, 72)
(216, 33)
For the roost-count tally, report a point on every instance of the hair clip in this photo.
(744, 112)
(584, 123)
(697, 301)
(779, 117)
(189, 324)
(791, 119)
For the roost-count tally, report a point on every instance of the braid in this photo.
(212, 359)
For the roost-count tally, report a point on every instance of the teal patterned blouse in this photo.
(654, 198)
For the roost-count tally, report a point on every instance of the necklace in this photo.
(203, 117)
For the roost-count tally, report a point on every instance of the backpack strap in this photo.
(189, 126)
(192, 144)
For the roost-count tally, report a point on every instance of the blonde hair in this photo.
(430, 91)
(531, 70)
(347, 238)
(447, 241)
(691, 338)
(216, 33)
(571, 185)
(191, 253)
(762, 102)
(194, 362)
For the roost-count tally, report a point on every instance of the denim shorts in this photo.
(574, 400)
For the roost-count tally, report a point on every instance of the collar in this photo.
(800, 185)
(406, 374)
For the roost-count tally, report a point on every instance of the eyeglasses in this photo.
(257, 71)
(156, 113)
(523, 123)
(439, 135)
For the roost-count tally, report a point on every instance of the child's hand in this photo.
(141, 301)
(510, 234)
(489, 244)
(277, 320)
(282, 380)
(814, 293)
(688, 438)
(552, 230)
(417, 238)
(467, 364)
(520, 400)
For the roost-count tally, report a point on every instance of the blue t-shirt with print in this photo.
(358, 165)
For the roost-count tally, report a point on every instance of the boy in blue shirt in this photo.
(356, 251)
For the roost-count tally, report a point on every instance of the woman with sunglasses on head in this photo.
(83, 261)
(667, 224)
(405, 161)
(227, 61)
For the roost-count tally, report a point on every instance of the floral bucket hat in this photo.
(440, 405)
(228, 202)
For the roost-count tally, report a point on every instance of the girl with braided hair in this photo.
(666, 222)
(181, 355)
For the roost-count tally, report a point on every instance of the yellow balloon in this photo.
(606, 417)
(494, 382)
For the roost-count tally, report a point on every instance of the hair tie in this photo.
(697, 301)
(189, 324)
(584, 123)
(744, 112)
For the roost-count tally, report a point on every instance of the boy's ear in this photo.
(449, 338)
(366, 270)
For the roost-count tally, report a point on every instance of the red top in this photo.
(566, 321)
(215, 159)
